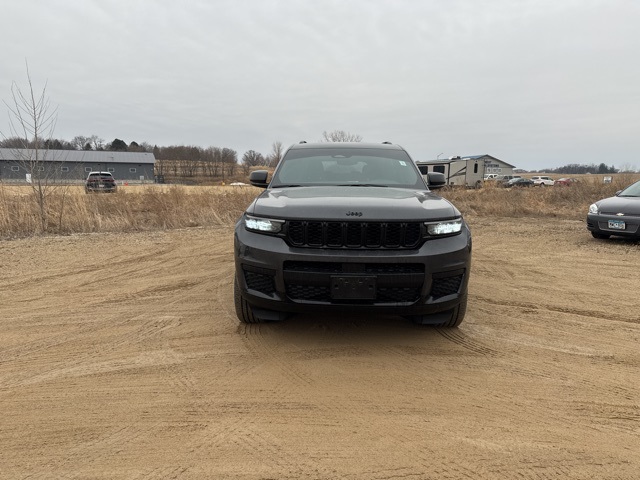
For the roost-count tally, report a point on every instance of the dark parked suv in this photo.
(100, 182)
(351, 227)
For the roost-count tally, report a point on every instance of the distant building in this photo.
(493, 164)
(74, 165)
(467, 166)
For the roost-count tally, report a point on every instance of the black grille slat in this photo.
(369, 235)
(412, 234)
(354, 234)
(334, 234)
(314, 234)
(374, 235)
(296, 233)
(393, 235)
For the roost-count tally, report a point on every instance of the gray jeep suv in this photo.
(351, 227)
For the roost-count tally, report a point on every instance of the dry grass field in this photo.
(157, 207)
(133, 208)
(121, 356)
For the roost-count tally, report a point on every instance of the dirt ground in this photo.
(121, 357)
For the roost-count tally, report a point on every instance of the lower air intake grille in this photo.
(446, 286)
(396, 283)
(260, 282)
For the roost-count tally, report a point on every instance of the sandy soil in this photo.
(121, 357)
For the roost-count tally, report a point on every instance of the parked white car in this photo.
(542, 181)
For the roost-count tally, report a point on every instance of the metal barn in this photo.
(74, 165)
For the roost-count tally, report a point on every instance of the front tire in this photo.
(452, 318)
(243, 309)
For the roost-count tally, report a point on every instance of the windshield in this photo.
(349, 166)
(631, 191)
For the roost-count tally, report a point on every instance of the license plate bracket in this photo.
(616, 224)
(353, 287)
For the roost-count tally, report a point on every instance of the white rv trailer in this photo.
(465, 172)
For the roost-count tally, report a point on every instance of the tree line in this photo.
(173, 152)
(176, 160)
(577, 169)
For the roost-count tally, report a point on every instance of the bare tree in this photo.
(275, 156)
(230, 161)
(80, 142)
(97, 143)
(12, 142)
(146, 147)
(251, 158)
(32, 120)
(628, 168)
(340, 136)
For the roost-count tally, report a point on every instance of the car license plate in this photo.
(353, 288)
(616, 225)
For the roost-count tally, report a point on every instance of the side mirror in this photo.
(258, 178)
(436, 180)
(618, 192)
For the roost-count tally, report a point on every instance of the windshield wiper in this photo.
(362, 185)
(285, 186)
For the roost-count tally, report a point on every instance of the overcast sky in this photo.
(536, 83)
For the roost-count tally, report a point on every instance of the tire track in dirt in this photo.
(151, 325)
(552, 371)
(88, 362)
(559, 309)
(162, 472)
(267, 351)
(401, 365)
(90, 451)
(102, 272)
(459, 337)
(166, 361)
(239, 431)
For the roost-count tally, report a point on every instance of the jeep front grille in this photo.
(365, 235)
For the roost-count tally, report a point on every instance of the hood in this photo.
(355, 203)
(615, 205)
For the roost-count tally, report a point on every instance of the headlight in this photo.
(263, 225)
(447, 227)
(593, 208)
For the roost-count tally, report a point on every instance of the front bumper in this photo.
(101, 188)
(274, 276)
(599, 223)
